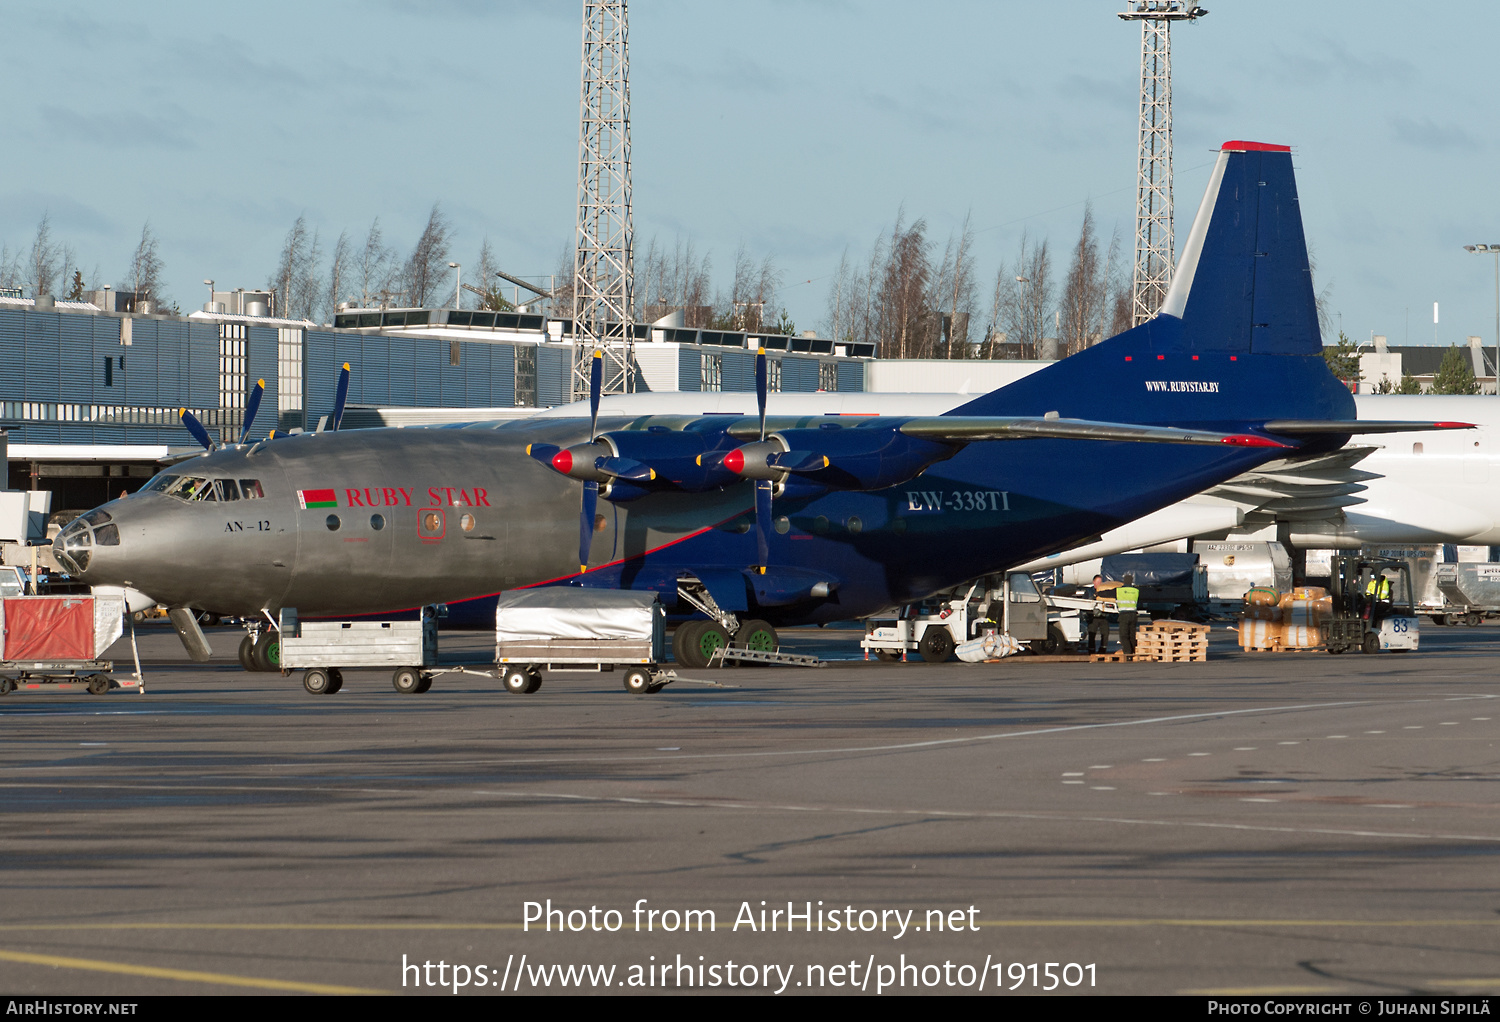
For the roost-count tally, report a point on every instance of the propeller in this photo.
(196, 428)
(339, 398)
(762, 486)
(590, 486)
(251, 407)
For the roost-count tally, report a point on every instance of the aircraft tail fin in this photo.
(1240, 301)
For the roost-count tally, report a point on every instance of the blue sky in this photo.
(798, 128)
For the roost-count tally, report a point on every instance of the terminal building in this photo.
(90, 396)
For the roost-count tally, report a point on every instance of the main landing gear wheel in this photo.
(247, 653)
(682, 641)
(1372, 643)
(757, 635)
(316, 681)
(936, 645)
(98, 684)
(709, 638)
(407, 680)
(268, 651)
(637, 680)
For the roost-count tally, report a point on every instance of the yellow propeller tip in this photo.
(260, 383)
(346, 365)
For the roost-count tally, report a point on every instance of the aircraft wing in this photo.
(963, 429)
(1324, 427)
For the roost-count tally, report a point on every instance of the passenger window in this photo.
(252, 489)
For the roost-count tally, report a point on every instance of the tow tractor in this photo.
(1011, 605)
(1362, 621)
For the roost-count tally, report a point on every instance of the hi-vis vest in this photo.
(1126, 597)
(1380, 588)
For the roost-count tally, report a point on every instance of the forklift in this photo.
(1363, 621)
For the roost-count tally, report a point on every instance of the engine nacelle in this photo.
(855, 458)
(690, 460)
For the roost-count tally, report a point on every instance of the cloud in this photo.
(1425, 133)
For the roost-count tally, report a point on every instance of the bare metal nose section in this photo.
(88, 534)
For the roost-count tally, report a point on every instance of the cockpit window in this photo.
(96, 517)
(227, 489)
(252, 489)
(186, 487)
(161, 483)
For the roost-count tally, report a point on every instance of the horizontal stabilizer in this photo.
(1326, 427)
(963, 429)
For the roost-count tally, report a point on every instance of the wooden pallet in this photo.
(1172, 627)
(1120, 658)
(1279, 648)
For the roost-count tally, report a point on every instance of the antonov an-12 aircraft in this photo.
(777, 521)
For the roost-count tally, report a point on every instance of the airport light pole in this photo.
(1493, 250)
(458, 287)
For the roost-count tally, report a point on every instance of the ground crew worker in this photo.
(1098, 620)
(1127, 599)
(1378, 596)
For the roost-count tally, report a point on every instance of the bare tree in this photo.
(426, 272)
(1085, 291)
(1119, 313)
(562, 292)
(340, 265)
(751, 303)
(291, 270)
(145, 269)
(42, 268)
(1023, 296)
(905, 327)
(955, 292)
(10, 268)
(676, 280)
(375, 268)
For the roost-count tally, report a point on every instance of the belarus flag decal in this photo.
(317, 498)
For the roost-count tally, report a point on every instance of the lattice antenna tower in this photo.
(604, 260)
(1154, 256)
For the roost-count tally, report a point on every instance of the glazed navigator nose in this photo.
(84, 538)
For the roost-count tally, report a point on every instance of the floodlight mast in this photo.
(604, 259)
(1154, 254)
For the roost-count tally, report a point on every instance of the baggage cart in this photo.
(57, 643)
(563, 629)
(323, 649)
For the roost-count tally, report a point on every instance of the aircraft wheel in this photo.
(637, 681)
(98, 684)
(268, 651)
(335, 680)
(316, 681)
(407, 680)
(756, 635)
(7, 686)
(516, 680)
(887, 654)
(936, 645)
(1372, 643)
(247, 653)
(682, 641)
(707, 641)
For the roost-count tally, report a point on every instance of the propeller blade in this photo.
(339, 398)
(762, 524)
(251, 407)
(196, 428)
(543, 452)
(626, 468)
(586, 523)
(596, 385)
(760, 388)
